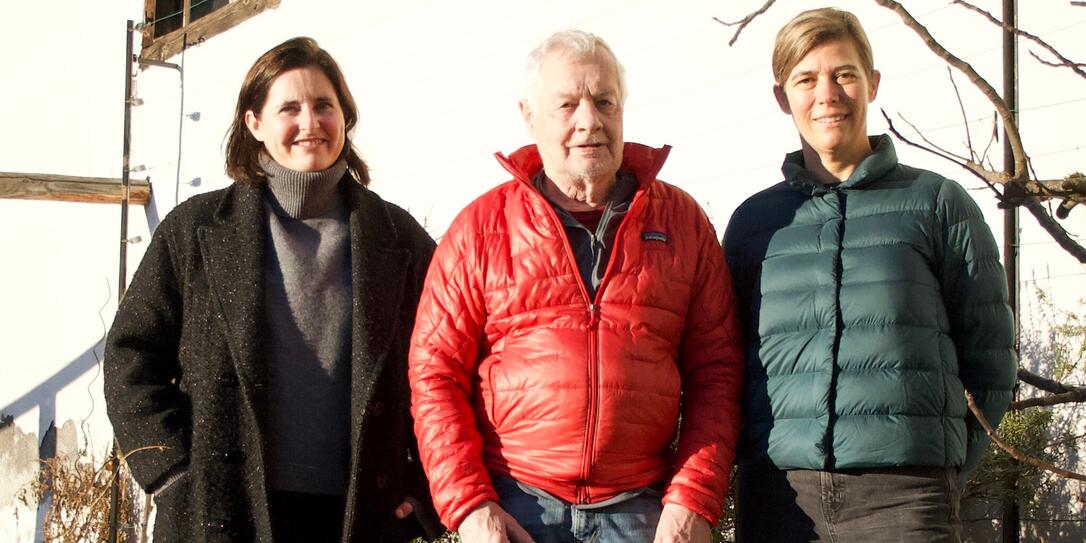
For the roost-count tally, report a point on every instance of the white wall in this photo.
(63, 66)
(437, 84)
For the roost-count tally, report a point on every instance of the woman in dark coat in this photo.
(256, 369)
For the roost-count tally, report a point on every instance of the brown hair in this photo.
(243, 150)
(813, 28)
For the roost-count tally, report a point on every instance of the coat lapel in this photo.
(378, 272)
(234, 248)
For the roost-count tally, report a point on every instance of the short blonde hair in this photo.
(813, 28)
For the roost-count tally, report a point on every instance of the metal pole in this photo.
(129, 58)
(1011, 521)
(115, 486)
(180, 121)
(1010, 215)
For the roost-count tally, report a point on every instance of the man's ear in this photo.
(252, 122)
(875, 78)
(526, 113)
(782, 98)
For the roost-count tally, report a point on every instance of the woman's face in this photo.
(827, 94)
(301, 124)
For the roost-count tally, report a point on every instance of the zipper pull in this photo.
(593, 316)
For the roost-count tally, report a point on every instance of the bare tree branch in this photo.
(1043, 383)
(1025, 194)
(1075, 179)
(965, 118)
(1059, 393)
(742, 23)
(1074, 396)
(1072, 189)
(992, 139)
(1015, 139)
(1073, 65)
(1014, 452)
(1020, 176)
(933, 145)
(979, 171)
(1064, 62)
(1062, 238)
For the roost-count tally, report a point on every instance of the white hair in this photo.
(576, 43)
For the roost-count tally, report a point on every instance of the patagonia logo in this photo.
(654, 236)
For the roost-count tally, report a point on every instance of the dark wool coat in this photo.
(185, 368)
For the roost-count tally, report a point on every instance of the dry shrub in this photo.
(78, 493)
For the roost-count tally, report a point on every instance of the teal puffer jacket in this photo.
(869, 306)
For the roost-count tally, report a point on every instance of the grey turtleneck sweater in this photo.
(307, 273)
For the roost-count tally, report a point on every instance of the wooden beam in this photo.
(67, 188)
(149, 20)
(213, 23)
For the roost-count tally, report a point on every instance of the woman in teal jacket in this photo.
(872, 298)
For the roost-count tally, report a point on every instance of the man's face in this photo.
(574, 113)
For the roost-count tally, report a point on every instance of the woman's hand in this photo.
(407, 507)
(404, 510)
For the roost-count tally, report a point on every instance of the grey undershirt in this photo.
(308, 314)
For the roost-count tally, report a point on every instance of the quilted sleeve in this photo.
(982, 326)
(441, 364)
(711, 366)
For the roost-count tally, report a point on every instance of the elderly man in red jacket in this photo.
(570, 318)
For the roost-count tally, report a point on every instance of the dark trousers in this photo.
(306, 518)
(867, 505)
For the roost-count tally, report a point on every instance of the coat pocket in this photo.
(173, 516)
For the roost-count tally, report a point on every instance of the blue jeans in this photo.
(551, 520)
(901, 505)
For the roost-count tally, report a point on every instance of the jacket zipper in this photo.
(583, 494)
(826, 447)
(581, 491)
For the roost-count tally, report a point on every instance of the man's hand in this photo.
(681, 525)
(489, 523)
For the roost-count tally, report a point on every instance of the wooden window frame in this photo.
(195, 32)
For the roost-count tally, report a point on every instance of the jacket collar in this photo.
(642, 161)
(882, 159)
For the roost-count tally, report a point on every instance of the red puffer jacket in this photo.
(515, 370)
